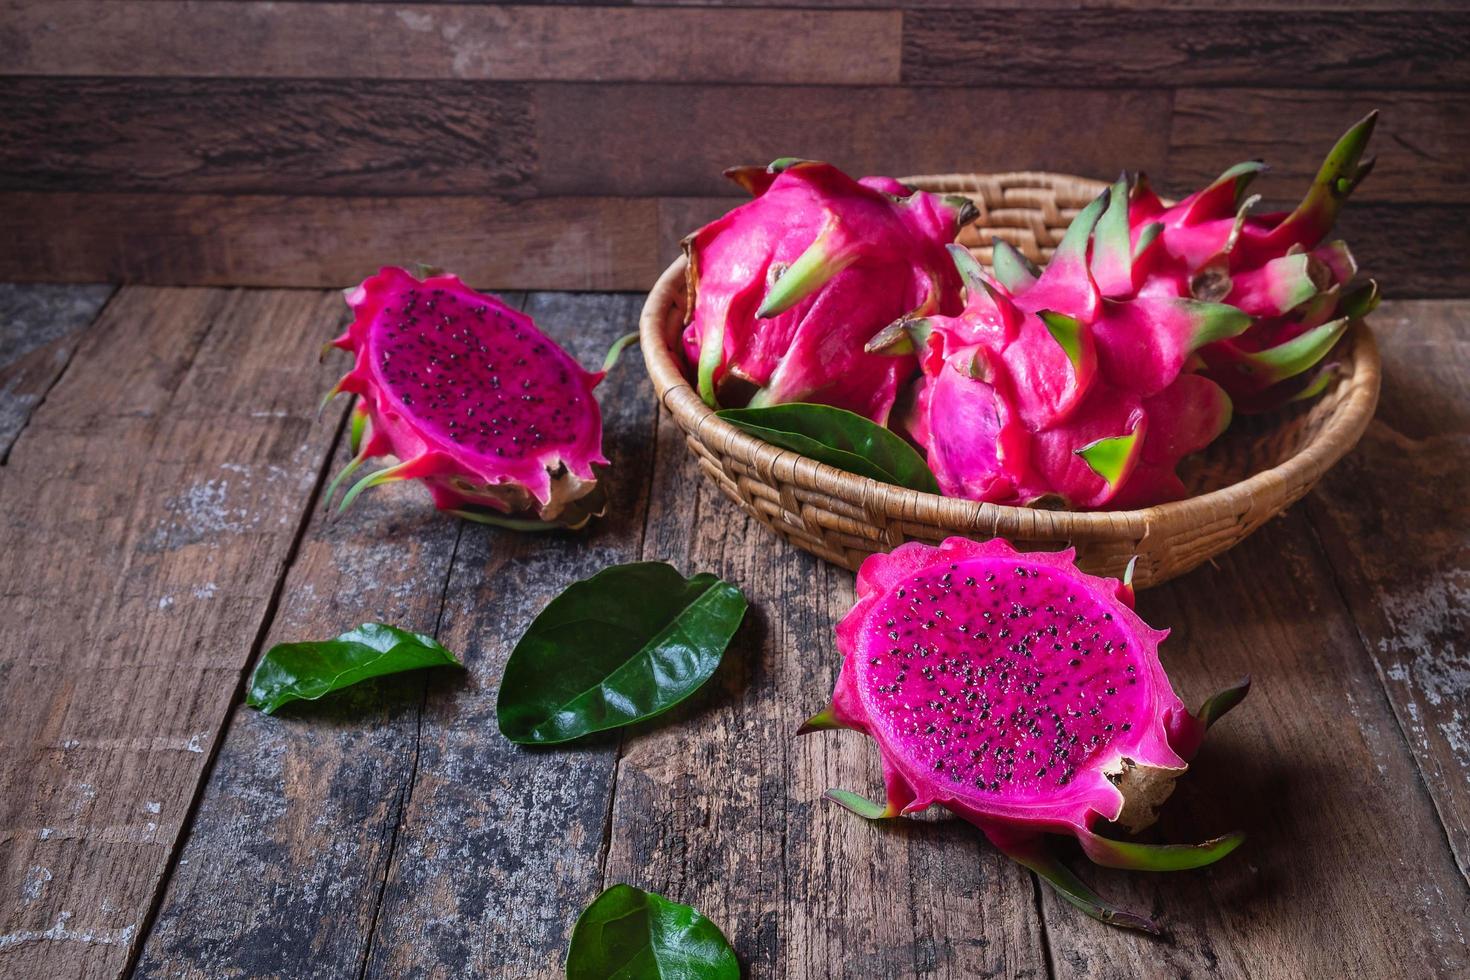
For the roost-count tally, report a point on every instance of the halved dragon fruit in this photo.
(497, 421)
(1024, 696)
(785, 290)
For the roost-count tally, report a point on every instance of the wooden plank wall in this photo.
(557, 146)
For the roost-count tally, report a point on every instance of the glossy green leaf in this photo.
(630, 934)
(838, 438)
(626, 644)
(307, 671)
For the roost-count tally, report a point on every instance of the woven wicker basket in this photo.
(1254, 472)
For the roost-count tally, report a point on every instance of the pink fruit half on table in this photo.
(784, 291)
(1024, 696)
(498, 422)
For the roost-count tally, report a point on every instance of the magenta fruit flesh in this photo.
(1024, 696)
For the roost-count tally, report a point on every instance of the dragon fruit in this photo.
(471, 398)
(1276, 267)
(1058, 395)
(786, 289)
(1085, 385)
(1024, 696)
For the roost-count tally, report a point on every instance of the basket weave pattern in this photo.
(1254, 472)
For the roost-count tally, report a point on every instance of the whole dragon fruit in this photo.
(1085, 385)
(497, 420)
(1025, 697)
(786, 289)
(1278, 268)
(1058, 395)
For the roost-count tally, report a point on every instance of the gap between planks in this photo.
(161, 385)
(241, 686)
(405, 797)
(8, 390)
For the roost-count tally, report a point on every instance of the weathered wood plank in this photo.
(1394, 524)
(1204, 5)
(554, 243)
(1420, 142)
(675, 140)
(358, 136)
(499, 847)
(258, 39)
(383, 774)
(1249, 48)
(133, 599)
(720, 804)
(39, 329)
(1345, 870)
(284, 861)
(279, 136)
(1405, 247)
(1326, 6)
(288, 136)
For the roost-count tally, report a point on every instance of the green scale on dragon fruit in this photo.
(1085, 385)
(1279, 268)
(1024, 696)
(785, 290)
(496, 420)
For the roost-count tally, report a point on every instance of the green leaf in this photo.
(626, 644)
(630, 934)
(838, 438)
(307, 671)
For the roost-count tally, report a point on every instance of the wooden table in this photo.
(160, 498)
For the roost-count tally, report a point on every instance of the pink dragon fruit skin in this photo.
(786, 289)
(1022, 695)
(1274, 267)
(1085, 385)
(498, 421)
(1057, 409)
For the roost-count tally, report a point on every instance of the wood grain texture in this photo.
(1419, 142)
(131, 609)
(554, 243)
(431, 842)
(1147, 48)
(40, 326)
(501, 845)
(1404, 247)
(635, 139)
(1396, 531)
(721, 805)
(281, 136)
(1345, 870)
(1057, 5)
(322, 784)
(257, 39)
(1325, 6)
(356, 136)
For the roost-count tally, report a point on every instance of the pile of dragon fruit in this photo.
(1020, 693)
(1082, 386)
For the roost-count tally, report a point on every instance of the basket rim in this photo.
(1263, 491)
